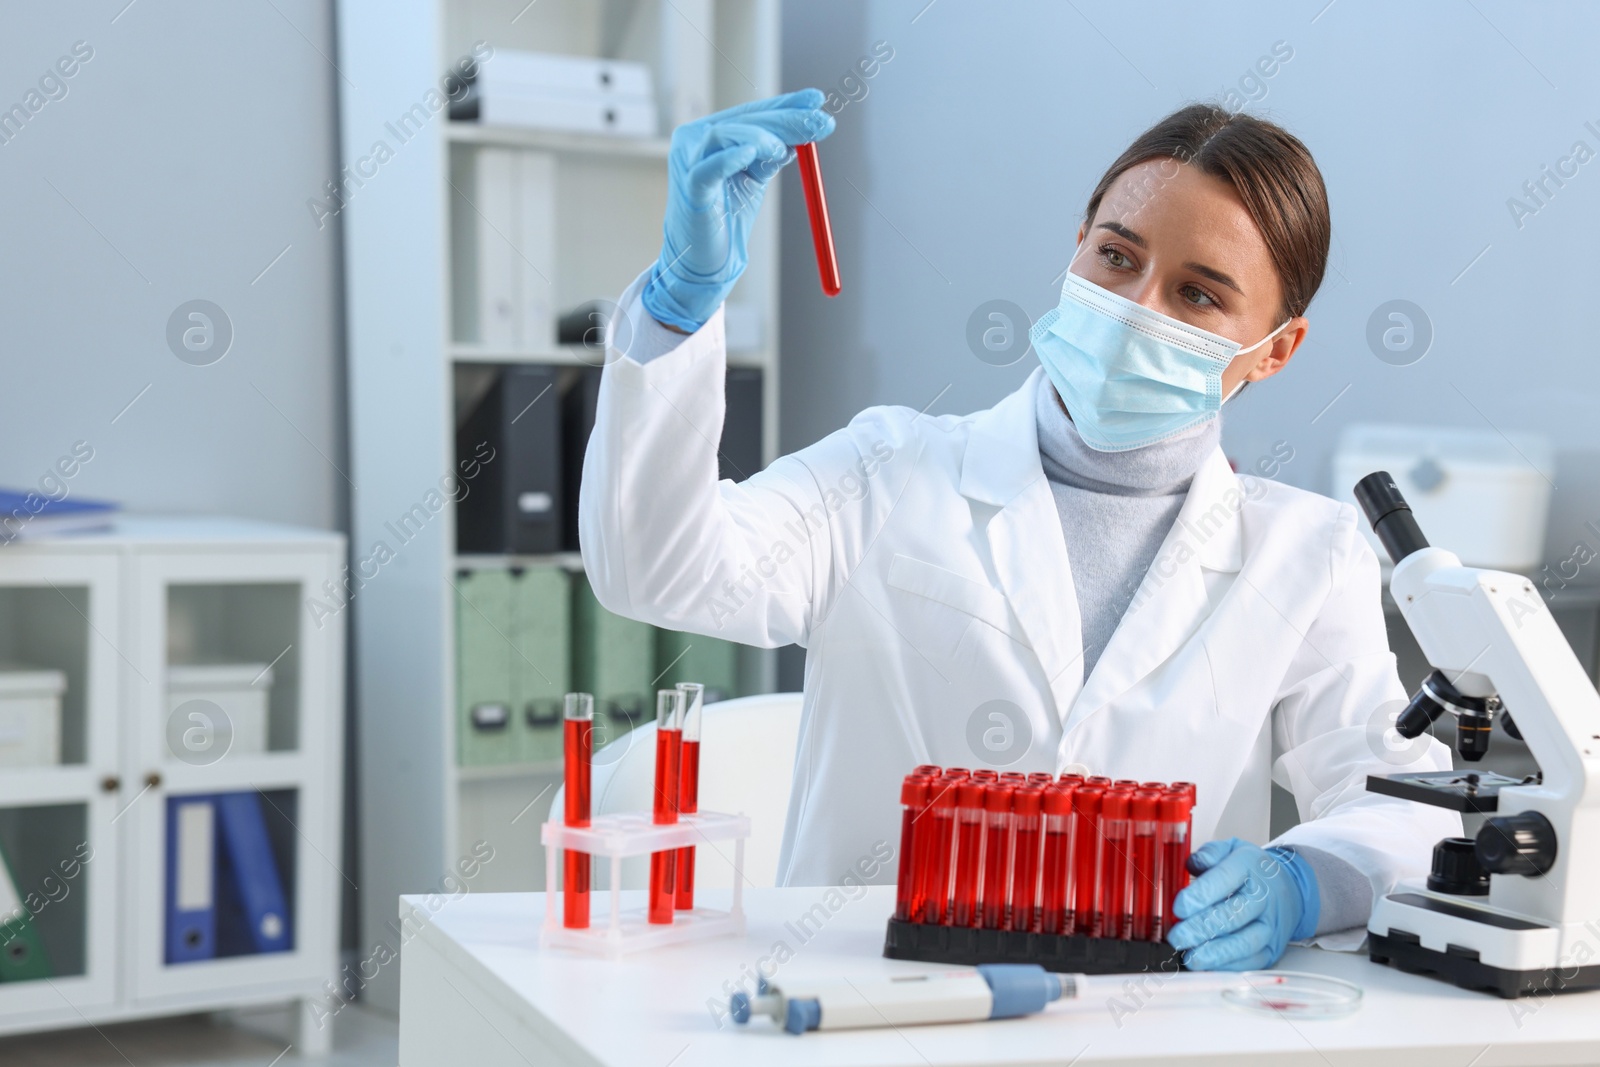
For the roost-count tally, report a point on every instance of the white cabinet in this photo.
(118, 613)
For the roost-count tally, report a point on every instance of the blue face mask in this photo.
(1130, 376)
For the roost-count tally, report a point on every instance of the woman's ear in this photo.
(1277, 354)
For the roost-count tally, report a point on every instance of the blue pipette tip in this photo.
(739, 1007)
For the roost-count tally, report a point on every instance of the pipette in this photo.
(1010, 990)
(817, 208)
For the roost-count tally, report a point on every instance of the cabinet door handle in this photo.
(110, 784)
(152, 780)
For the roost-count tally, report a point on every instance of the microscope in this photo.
(1517, 911)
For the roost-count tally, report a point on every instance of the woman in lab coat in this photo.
(1074, 579)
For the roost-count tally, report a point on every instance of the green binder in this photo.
(712, 662)
(21, 953)
(486, 730)
(541, 621)
(613, 658)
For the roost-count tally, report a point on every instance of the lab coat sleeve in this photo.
(1330, 732)
(757, 560)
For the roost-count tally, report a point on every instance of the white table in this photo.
(477, 990)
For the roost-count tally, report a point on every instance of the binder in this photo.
(254, 914)
(613, 658)
(191, 932)
(484, 651)
(514, 505)
(483, 256)
(22, 955)
(536, 246)
(739, 453)
(712, 662)
(577, 421)
(541, 609)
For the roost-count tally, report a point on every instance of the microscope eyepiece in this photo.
(1386, 509)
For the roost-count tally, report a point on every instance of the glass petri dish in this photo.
(1293, 995)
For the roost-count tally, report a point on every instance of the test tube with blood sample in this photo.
(688, 787)
(1175, 813)
(1114, 903)
(669, 752)
(578, 748)
(996, 853)
(1085, 918)
(969, 851)
(913, 799)
(817, 209)
(941, 816)
(1055, 875)
(1026, 815)
(1145, 873)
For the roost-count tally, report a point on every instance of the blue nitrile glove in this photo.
(1245, 907)
(717, 173)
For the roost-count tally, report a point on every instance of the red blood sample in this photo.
(688, 787)
(1056, 866)
(669, 753)
(942, 815)
(1175, 812)
(577, 748)
(1115, 917)
(1145, 875)
(1026, 808)
(821, 226)
(913, 798)
(969, 852)
(1085, 916)
(996, 853)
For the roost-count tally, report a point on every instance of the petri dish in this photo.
(1293, 995)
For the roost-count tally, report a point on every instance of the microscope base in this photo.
(1475, 948)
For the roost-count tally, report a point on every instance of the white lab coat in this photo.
(920, 561)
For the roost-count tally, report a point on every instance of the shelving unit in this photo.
(413, 373)
(121, 613)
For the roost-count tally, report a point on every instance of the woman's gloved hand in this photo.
(717, 174)
(1245, 907)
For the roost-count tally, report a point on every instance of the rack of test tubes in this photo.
(668, 833)
(1076, 874)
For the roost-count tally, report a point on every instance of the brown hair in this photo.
(1267, 166)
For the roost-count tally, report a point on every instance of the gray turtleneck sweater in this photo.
(1116, 509)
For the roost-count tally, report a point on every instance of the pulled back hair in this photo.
(1268, 167)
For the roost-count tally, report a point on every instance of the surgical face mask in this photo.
(1130, 376)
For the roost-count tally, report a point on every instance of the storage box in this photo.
(1482, 495)
(30, 717)
(239, 689)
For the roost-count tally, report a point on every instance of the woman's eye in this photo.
(1115, 258)
(1196, 295)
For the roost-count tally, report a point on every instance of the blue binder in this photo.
(191, 879)
(255, 912)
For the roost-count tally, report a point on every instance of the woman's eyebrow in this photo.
(1122, 231)
(1215, 275)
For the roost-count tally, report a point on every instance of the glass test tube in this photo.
(1175, 810)
(996, 853)
(688, 787)
(913, 799)
(1026, 833)
(1114, 866)
(1056, 866)
(942, 816)
(1086, 803)
(669, 751)
(1145, 874)
(969, 852)
(577, 750)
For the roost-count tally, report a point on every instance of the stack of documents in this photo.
(557, 92)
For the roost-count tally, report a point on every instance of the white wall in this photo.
(176, 167)
(962, 174)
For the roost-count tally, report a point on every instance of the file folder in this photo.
(485, 730)
(514, 505)
(712, 662)
(613, 658)
(541, 623)
(739, 451)
(22, 955)
(254, 914)
(191, 880)
(577, 422)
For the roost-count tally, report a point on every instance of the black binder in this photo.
(514, 505)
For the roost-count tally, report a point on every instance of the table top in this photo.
(667, 1005)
